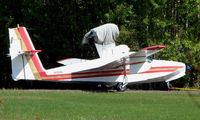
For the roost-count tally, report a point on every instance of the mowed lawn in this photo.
(82, 105)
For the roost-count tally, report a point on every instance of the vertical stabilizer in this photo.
(24, 58)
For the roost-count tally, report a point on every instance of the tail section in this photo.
(24, 58)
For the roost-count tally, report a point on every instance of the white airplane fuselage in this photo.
(26, 65)
(152, 71)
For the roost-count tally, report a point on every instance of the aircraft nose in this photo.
(179, 71)
(170, 70)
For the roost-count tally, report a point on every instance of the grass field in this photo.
(82, 105)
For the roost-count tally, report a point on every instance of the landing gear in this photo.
(169, 86)
(121, 87)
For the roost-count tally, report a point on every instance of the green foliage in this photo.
(121, 15)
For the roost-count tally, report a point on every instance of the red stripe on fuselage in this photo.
(167, 67)
(159, 69)
(79, 77)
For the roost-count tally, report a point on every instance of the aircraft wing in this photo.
(100, 63)
(148, 51)
(70, 61)
(145, 52)
(110, 62)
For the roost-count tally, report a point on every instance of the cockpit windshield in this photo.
(149, 59)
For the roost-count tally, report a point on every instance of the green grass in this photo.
(79, 105)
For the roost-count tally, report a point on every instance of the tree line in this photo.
(58, 26)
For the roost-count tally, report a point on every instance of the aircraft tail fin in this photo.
(24, 57)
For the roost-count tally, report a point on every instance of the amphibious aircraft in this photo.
(114, 65)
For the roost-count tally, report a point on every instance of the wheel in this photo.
(120, 87)
(169, 86)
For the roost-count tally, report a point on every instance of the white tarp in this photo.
(104, 34)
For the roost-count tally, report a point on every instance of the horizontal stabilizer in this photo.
(29, 52)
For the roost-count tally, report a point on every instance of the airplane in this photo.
(114, 66)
